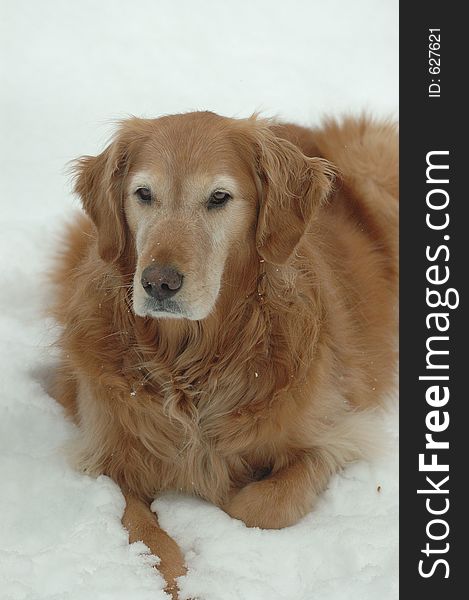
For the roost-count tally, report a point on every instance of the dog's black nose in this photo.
(161, 281)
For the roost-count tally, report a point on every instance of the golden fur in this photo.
(254, 406)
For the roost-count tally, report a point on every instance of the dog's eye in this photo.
(218, 198)
(144, 194)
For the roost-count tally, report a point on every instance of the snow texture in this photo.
(68, 70)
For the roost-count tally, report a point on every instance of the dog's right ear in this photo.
(292, 188)
(99, 183)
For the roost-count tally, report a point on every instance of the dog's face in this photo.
(181, 194)
(189, 202)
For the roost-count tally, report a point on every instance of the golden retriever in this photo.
(228, 312)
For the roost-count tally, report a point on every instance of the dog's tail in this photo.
(366, 153)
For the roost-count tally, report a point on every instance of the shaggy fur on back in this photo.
(256, 405)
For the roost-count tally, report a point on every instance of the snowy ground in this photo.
(68, 70)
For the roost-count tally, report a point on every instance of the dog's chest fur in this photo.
(193, 425)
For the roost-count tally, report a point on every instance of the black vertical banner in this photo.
(434, 356)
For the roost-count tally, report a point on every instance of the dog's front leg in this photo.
(285, 496)
(143, 525)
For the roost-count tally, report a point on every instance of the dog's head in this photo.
(181, 194)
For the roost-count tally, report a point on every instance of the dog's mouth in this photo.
(163, 308)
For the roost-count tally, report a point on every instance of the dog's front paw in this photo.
(265, 504)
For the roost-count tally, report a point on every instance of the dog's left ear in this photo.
(99, 182)
(293, 186)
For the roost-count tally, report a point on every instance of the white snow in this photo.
(68, 70)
